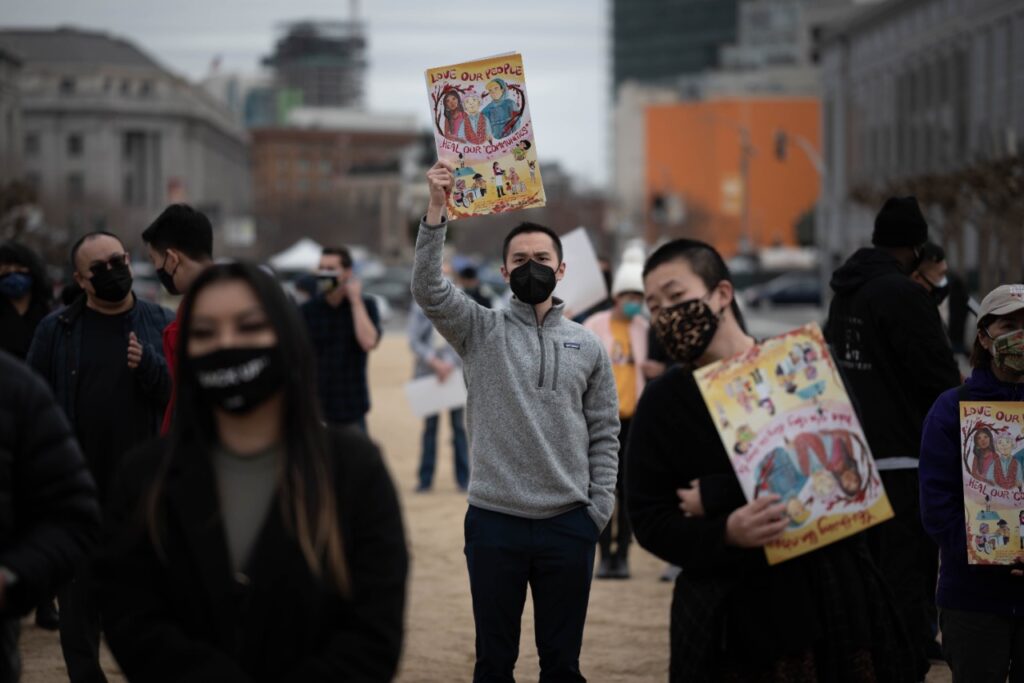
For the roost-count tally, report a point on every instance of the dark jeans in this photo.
(555, 558)
(80, 629)
(906, 556)
(10, 659)
(981, 647)
(428, 456)
(622, 533)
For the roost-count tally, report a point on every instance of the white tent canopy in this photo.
(304, 255)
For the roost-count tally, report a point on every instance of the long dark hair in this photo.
(703, 259)
(42, 288)
(305, 487)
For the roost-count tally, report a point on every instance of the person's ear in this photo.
(560, 271)
(172, 260)
(722, 296)
(79, 280)
(504, 273)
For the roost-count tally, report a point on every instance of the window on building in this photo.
(67, 86)
(76, 187)
(35, 182)
(31, 144)
(143, 180)
(126, 87)
(146, 89)
(75, 145)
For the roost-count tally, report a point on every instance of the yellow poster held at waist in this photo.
(992, 457)
(789, 428)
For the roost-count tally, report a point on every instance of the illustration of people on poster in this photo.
(482, 124)
(789, 428)
(992, 450)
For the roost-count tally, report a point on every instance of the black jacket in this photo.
(16, 330)
(181, 614)
(49, 517)
(731, 611)
(56, 350)
(889, 343)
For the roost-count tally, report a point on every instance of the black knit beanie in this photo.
(900, 223)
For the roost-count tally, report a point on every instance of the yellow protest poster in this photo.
(992, 450)
(789, 428)
(482, 124)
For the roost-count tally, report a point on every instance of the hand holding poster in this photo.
(789, 428)
(482, 124)
(992, 450)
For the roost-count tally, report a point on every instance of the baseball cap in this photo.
(1002, 300)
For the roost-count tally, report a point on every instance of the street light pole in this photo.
(746, 152)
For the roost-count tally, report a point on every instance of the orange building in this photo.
(695, 154)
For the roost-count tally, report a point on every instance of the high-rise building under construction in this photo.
(324, 61)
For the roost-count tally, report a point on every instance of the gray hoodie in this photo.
(542, 411)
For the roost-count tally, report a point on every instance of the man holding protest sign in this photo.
(543, 424)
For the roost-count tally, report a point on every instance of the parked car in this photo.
(796, 288)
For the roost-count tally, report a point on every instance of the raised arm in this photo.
(455, 316)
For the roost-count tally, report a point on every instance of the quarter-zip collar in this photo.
(524, 313)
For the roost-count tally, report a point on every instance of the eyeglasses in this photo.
(97, 267)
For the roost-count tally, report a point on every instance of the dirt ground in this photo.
(626, 638)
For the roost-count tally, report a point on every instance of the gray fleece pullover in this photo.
(542, 412)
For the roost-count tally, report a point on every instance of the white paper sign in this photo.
(428, 396)
(583, 285)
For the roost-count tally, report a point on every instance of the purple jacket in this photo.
(961, 586)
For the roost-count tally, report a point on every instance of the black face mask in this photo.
(239, 379)
(532, 282)
(167, 279)
(686, 330)
(114, 284)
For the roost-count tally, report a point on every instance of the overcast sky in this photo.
(564, 45)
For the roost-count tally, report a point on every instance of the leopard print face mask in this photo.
(686, 330)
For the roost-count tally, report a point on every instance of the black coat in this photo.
(49, 517)
(889, 343)
(182, 614)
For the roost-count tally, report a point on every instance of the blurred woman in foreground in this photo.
(253, 544)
